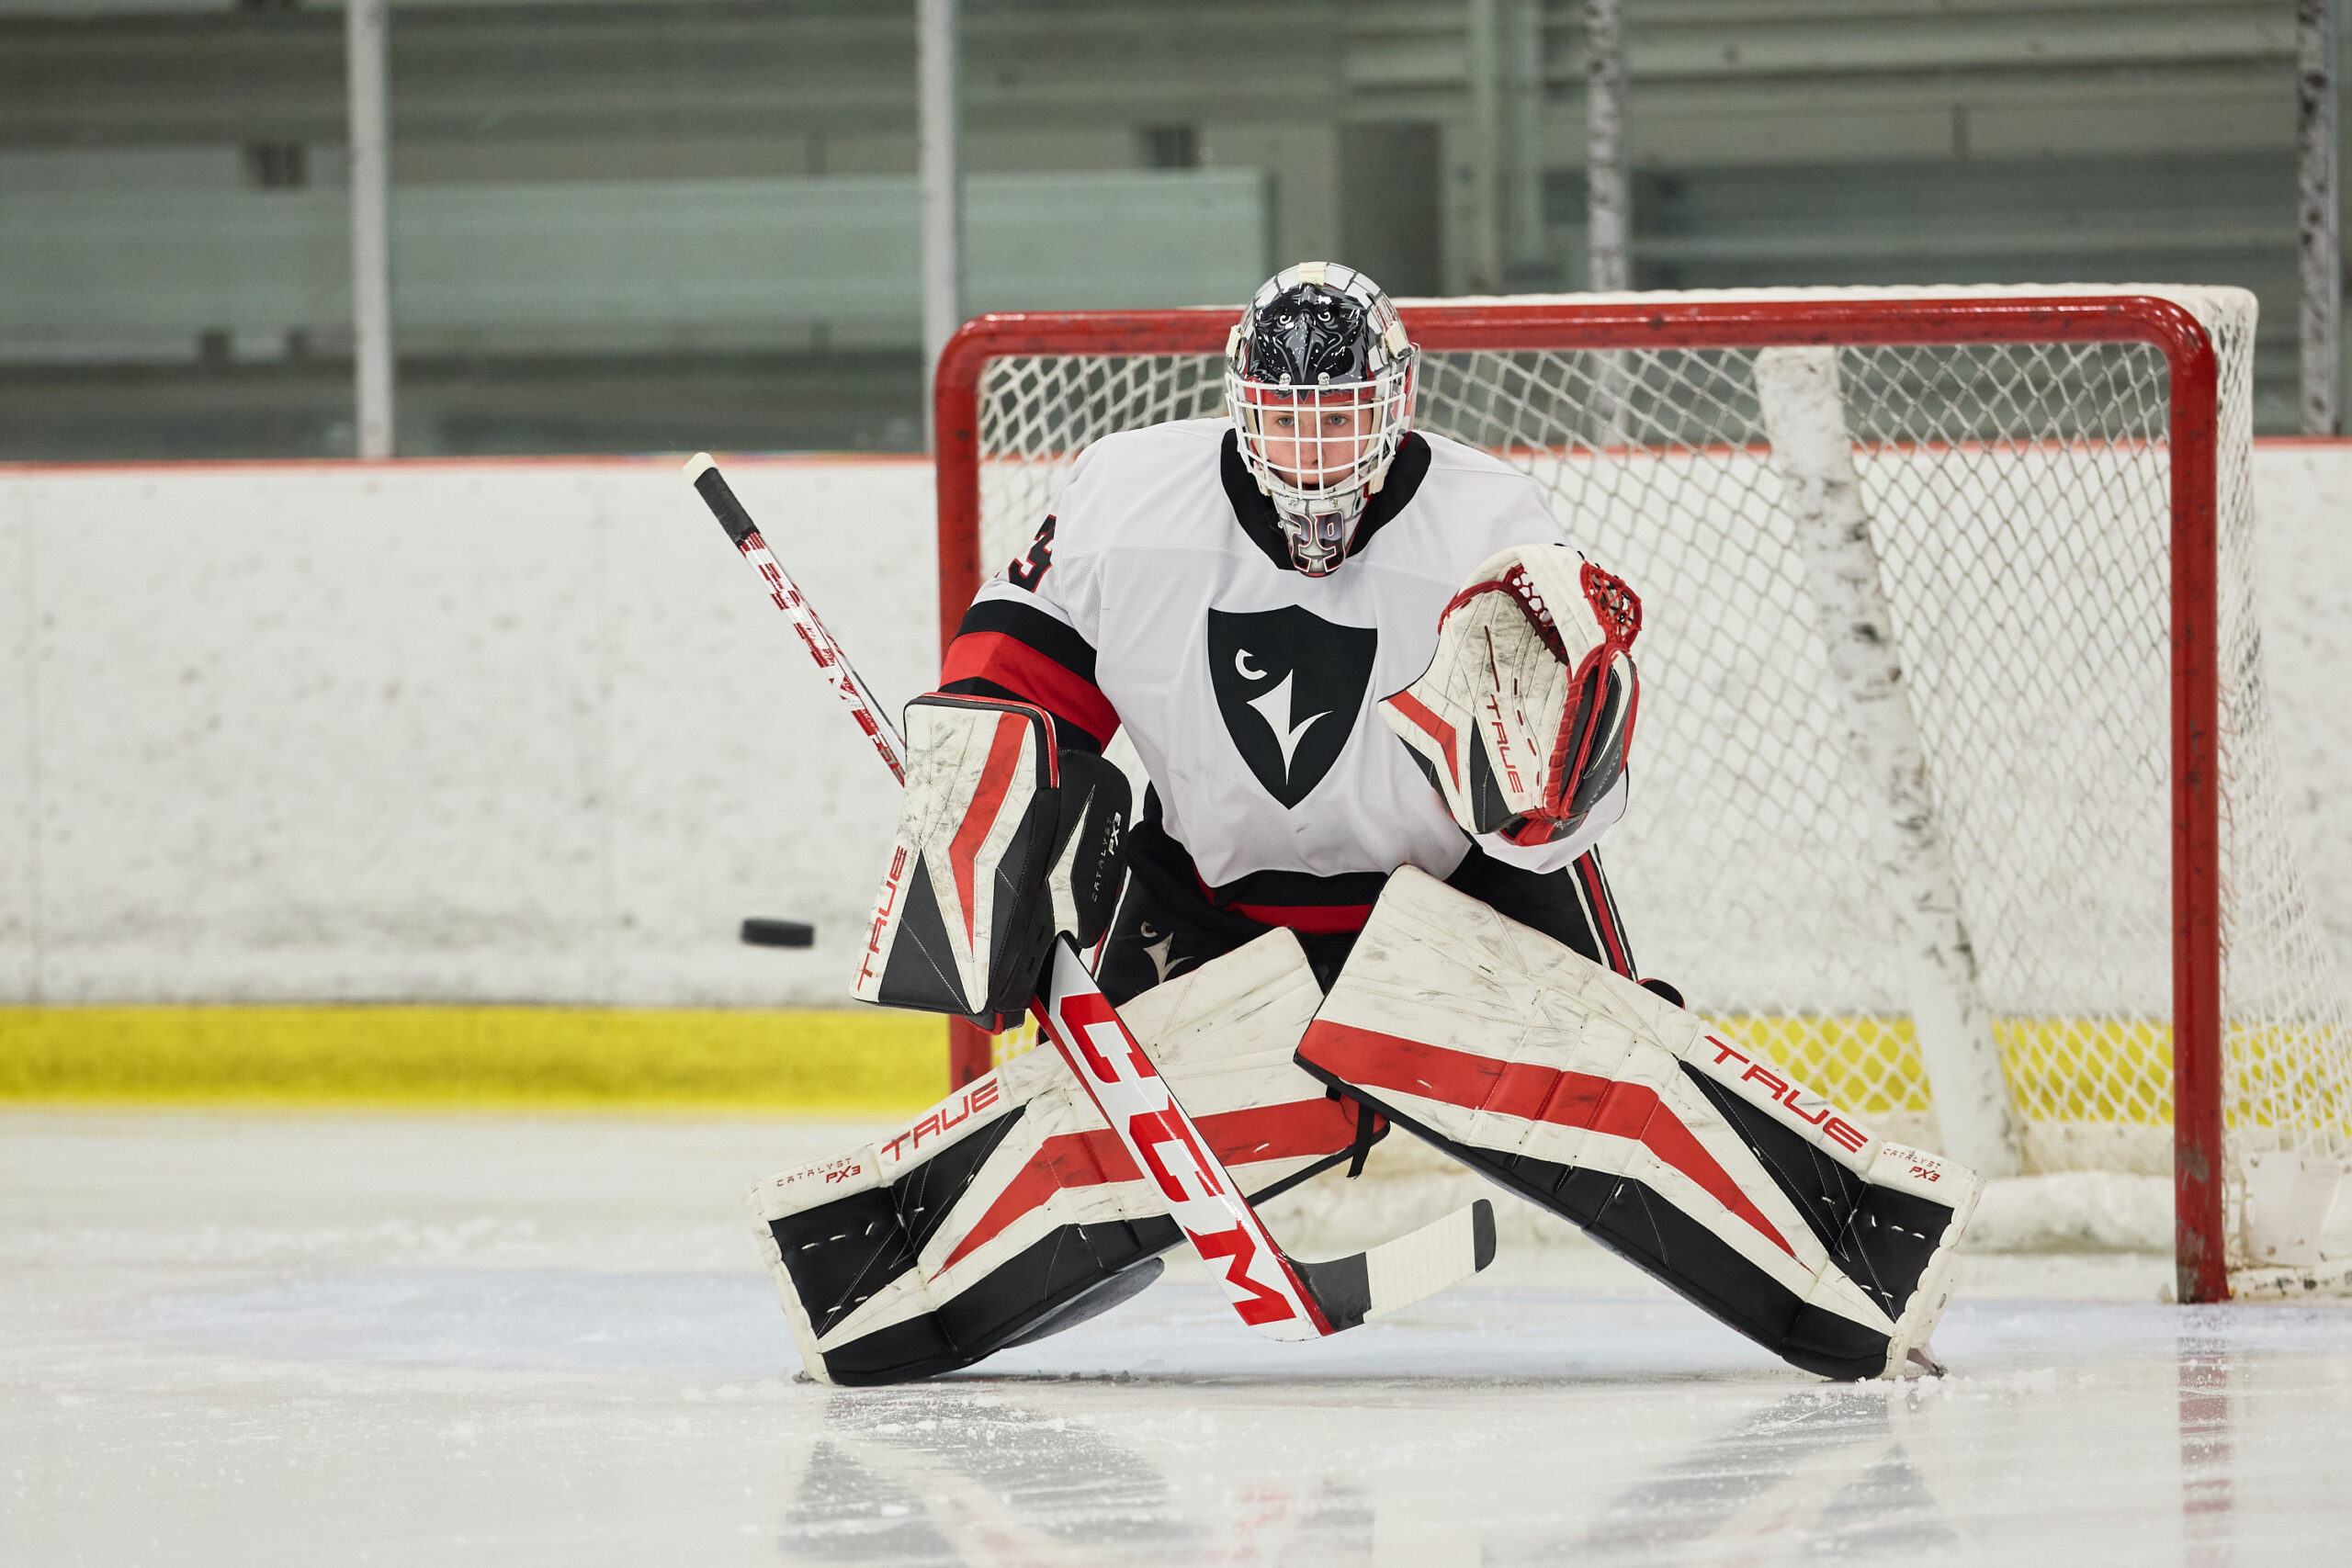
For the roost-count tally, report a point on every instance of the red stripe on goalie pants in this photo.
(1372, 1060)
(1312, 918)
(1316, 919)
(1301, 1129)
(1017, 667)
(996, 778)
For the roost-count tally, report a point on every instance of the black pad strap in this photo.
(1370, 1127)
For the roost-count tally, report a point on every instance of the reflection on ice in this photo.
(353, 1367)
(2110, 1428)
(1833, 1473)
(894, 1479)
(2205, 1448)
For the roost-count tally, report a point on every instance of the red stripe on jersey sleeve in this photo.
(1013, 664)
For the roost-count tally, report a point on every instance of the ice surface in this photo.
(506, 1340)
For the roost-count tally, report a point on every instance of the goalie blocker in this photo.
(1002, 840)
(1709, 1169)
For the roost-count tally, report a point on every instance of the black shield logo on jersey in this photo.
(1291, 685)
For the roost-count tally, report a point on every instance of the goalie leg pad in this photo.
(1010, 1210)
(1711, 1171)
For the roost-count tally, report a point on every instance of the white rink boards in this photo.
(332, 1339)
(457, 732)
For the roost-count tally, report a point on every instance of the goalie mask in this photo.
(1319, 377)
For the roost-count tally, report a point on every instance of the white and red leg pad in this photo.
(1010, 1210)
(1713, 1171)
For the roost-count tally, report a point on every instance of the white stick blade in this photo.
(1438, 1255)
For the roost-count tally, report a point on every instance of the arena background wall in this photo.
(515, 734)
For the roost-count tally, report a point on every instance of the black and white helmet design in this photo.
(1319, 379)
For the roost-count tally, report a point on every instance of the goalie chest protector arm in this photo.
(1002, 842)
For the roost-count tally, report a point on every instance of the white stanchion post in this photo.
(1609, 197)
(371, 270)
(937, 53)
(1525, 254)
(2316, 213)
(1804, 415)
(1609, 206)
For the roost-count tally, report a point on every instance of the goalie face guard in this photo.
(1319, 380)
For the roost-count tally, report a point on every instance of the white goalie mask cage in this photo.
(1318, 378)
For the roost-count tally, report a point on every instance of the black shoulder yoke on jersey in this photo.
(1256, 514)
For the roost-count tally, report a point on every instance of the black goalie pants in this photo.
(1168, 923)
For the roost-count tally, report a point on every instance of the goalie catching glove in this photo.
(1002, 842)
(1522, 718)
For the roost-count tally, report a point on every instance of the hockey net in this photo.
(2015, 454)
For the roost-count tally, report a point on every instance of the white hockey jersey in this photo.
(1159, 596)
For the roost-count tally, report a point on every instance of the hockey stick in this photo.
(1281, 1297)
(830, 663)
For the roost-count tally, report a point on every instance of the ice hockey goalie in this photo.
(1387, 714)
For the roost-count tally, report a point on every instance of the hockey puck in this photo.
(779, 933)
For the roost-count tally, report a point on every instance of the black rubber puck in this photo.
(779, 933)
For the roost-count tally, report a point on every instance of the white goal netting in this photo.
(2019, 502)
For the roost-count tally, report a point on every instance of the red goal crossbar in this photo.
(1519, 326)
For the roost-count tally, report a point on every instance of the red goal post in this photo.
(1636, 323)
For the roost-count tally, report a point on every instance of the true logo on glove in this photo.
(1502, 742)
